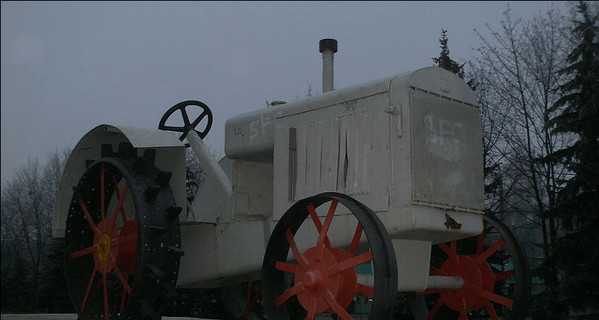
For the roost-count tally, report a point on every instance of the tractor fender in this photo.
(170, 157)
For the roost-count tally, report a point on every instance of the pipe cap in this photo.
(328, 44)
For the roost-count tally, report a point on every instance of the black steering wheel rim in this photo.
(188, 125)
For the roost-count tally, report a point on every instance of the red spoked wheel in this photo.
(495, 273)
(318, 278)
(122, 240)
(252, 301)
(243, 301)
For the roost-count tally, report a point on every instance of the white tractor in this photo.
(335, 203)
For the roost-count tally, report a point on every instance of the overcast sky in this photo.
(70, 66)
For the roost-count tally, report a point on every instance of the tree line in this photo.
(537, 81)
(538, 87)
(32, 262)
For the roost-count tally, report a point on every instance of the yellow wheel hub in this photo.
(104, 247)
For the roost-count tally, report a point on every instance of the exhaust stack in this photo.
(327, 47)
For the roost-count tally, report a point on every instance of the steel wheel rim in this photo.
(114, 247)
(281, 301)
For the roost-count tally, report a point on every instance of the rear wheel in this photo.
(243, 301)
(122, 238)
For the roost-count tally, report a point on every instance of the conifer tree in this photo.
(52, 287)
(576, 255)
(444, 61)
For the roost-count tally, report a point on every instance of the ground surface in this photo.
(66, 316)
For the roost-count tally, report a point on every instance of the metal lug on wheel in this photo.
(107, 150)
(173, 212)
(164, 178)
(126, 151)
(105, 223)
(150, 155)
(151, 192)
(178, 251)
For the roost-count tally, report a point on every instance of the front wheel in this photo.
(495, 272)
(354, 277)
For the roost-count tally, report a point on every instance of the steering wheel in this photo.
(187, 124)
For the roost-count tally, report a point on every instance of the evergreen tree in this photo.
(575, 254)
(17, 287)
(52, 287)
(444, 61)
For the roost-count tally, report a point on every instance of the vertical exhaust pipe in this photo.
(327, 47)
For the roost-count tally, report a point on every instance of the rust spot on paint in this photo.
(451, 224)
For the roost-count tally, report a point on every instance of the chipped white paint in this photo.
(441, 138)
(408, 147)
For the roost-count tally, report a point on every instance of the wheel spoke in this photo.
(356, 239)
(102, 189)
(491, 311)
(367, 291)
(438, 272)
(185, 117)
(463, 309)
(119, 196)
(257, 296)
(350, 263)
(330, 298)
(490, 250)
(453, 247)
(491, 296)
(431, 291)
(311, 310)
(120, 275)
(287, 267)
(89, 287)
(120, 240)
(479, 243)
(105, 291)
(301, 260)
(327, 223)
(431, 314)
(250, 301)
(199, 118)
(119, 206)
(297, 288)
(445, 248)
(123, 299)
(89, 219)
(318, 224)
(504, 275)
(83, 252)
(450, 250)
(248, 298)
